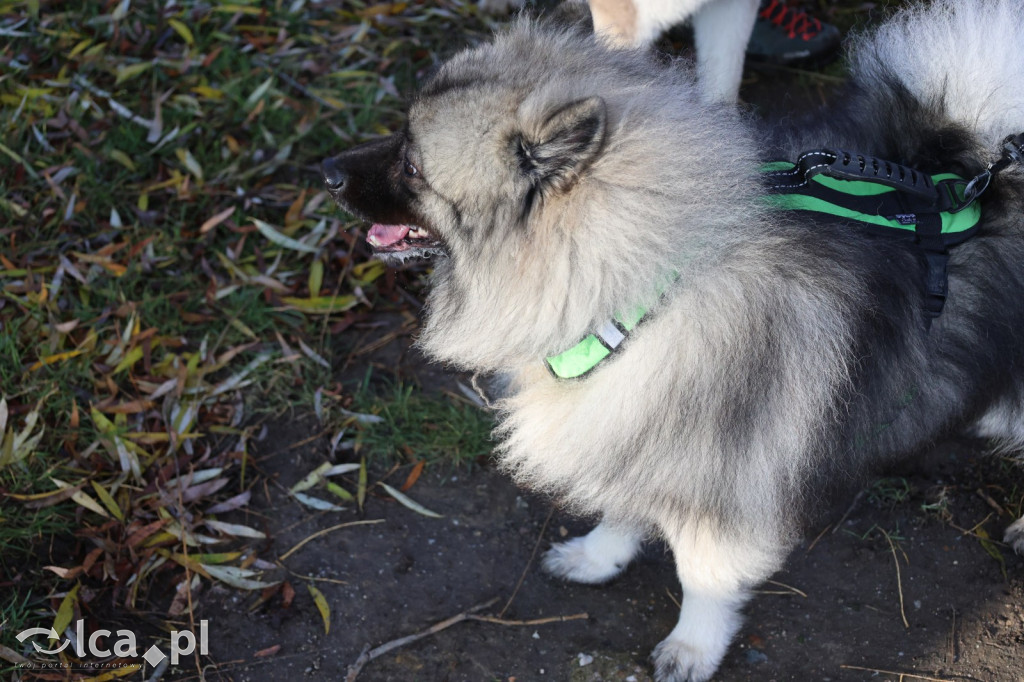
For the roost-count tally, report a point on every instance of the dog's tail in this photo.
(963, 58)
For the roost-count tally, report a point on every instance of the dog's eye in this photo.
(410, 170)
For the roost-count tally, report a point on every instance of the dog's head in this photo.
(554, 181)
(469, 164)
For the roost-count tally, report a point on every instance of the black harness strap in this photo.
(919, 201)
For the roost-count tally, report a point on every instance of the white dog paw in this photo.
(571, 561)
(1014, 536)
(678, 661)
(597, 557)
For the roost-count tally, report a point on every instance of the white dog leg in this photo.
(596, 557)
(695, 647)
(721, 31)
(1015, 536)
(717, 574)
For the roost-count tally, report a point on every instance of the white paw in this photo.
(1015, 536)
(597, 557)
(678, 661)
(572, 561)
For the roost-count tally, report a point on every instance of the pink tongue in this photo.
(386, 235)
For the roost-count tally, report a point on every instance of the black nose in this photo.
(334, 174)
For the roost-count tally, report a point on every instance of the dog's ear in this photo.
(567, 142)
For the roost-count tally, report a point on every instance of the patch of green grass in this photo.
(416, 426)
(889, 492)
(21, 528)
(16, 614)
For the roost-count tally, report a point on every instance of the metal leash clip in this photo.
(973, 190)
(1013, 152)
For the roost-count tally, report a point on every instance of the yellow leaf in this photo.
(130, 358)
(322, 606)
(102, 423)
(311, 479)
(66, 610)
(79, 48)
(334, 101)
(108, 501)
(239, 9)
(188, 562)
(82, 499)
(95, 50)
(217, 558)
(369, 271)
(33, 93)
(361, 486)
(123, 159)
(51, 359)
(242, 327)
(207, 92)
(131, 71)
(322, 305)
(316, 278)
(182, 30)
(340, 492)
(189, 161)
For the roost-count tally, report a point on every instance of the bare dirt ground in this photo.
(835, 612)
(905, 582)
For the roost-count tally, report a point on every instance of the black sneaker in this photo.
(783, 35)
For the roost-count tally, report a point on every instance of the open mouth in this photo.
(405, 241)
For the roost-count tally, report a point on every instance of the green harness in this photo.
(933, 211)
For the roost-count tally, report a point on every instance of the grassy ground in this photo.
(171, 272)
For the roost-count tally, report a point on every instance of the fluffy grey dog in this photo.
(566, 190)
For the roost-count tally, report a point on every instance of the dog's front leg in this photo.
(717, 569)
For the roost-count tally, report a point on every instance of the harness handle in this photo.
(847, 165)
(853, 166)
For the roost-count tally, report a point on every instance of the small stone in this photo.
(585, 659)
(755, 656)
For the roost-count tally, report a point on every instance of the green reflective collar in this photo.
(595, 347)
